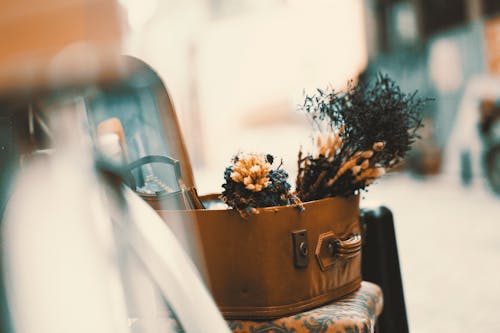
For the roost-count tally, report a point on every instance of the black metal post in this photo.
(380, 264)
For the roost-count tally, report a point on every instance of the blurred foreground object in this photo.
(80, 251)
(139, 114)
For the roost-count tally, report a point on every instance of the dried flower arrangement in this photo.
(251, 183)
(362, 133)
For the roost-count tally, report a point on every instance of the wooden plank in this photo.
(34, 33)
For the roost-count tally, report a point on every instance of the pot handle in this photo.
(348, 248)
(330, 249)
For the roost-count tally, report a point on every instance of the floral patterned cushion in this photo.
(355, 313)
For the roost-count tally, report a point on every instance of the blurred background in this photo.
(238, 69)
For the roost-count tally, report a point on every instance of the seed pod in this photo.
(356, 169)
(365, 164)
(378, 146)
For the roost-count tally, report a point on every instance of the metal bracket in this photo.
(300, 248)
(326, 250)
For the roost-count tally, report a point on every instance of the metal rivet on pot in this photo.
(331, 247)
(304, 249)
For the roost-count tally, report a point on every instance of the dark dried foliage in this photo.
(377, 112)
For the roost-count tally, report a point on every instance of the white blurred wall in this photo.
(236, 79)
